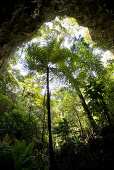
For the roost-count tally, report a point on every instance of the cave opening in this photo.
(80, 77)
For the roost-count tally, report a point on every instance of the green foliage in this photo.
(95, 92)
(16, 109)
(6, 153)
(5, 103)
(6, 141)
(38, 57)
(62, 129)
(21, 126)
(17, 155)
(22, 155)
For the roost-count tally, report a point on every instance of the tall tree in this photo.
(75, 83)
(39, 59)
(53, 53)
(49, 123)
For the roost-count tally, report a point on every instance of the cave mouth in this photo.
(73, 28)
(21, 19)
(17, 38)
(66, 84)
(68, 23)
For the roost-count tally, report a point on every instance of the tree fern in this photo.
(64, 58)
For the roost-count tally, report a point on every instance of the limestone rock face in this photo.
(20, 19)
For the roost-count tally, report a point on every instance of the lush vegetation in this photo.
(71, 126)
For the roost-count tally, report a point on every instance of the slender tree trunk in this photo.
(43, 132)
(79, 122)
(51, 154)
(107, 116)
(75, 83)
(90, 118)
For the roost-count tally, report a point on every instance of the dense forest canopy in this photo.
(46, 129)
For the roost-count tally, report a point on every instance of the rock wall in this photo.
(20, 19)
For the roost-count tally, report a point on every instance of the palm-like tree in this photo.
(41, 57)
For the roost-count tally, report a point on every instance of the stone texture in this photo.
(20, 19)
